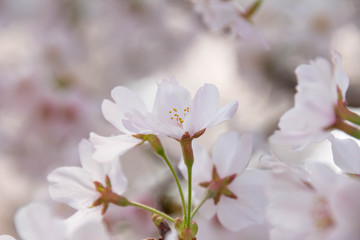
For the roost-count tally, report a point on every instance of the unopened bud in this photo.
(179, 225)
(187, 234)
(193, 228)
(154, 142)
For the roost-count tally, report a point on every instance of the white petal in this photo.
(224, 113)
(110, 148)
(6, 237)
(91, 230)
(126, 100)
(114, 115)
(35, 222)
(203, 108)
(340, 76)
(168, 96)
(118, 180)
(290, 201)
(82, 216)
(231, 153)
(73, 186)
(93, 168)
(236, 214)
(346, 154)
(170, 99)
(86, 225)
(250, 186)
(298, 140)
(202, 167)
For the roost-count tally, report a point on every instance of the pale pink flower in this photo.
(36, 221)
(230, 157)
(346, 154)
(315, 103)
(75, 185)
(174, 114)
(221, 15)
(323, 206)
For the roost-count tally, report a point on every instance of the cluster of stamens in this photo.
(321, 214)
(174, 114)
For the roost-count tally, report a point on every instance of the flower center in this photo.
(321, 214)
(219, 186)
(178, 116)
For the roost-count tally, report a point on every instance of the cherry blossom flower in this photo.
(38, 221)
(314, 111)
(240, 199)
(75, 185)
(346, 154)
(174, 115)
(325, 206)
(221, 15)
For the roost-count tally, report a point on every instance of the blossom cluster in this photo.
(308, 203)
(235, 190)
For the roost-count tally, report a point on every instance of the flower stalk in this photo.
(186, 146)
(159, 150)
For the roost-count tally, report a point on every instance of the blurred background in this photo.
(60, 58)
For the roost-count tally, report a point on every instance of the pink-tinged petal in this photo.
(298, 140)
(345, 208)
(345, 204)
(114, 115)
(290, 201)
(203, 109)
(322, 178)
(250, 186)
(110, 148)
(346, 154)
(341, 78)
(344, 232)
(278, 233)
(36, 222)
(245, 30)
(72, 186)
(6, 237)
(236, 214)
(208, 210)
(231, 153)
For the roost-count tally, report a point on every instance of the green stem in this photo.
(350, 116)
(189, 194)
(177, 183)
(150, 209)
(347, 128)
(188, 155)
(250, 11)
(205, 198)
